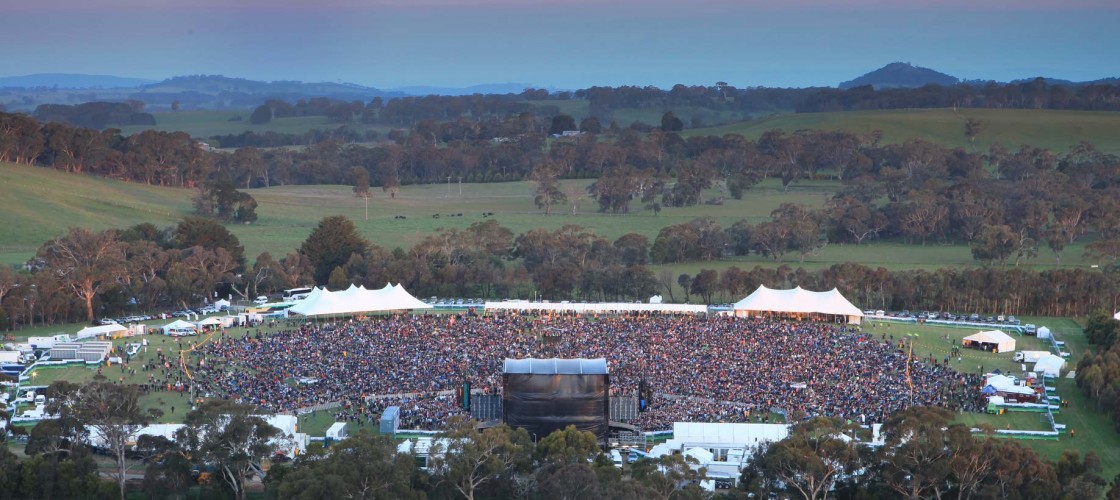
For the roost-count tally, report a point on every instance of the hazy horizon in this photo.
(566, 44)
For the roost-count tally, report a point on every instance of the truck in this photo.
(11, 357)
(1030, 356)
(47, 342)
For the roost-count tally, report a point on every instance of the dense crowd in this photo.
(702, 368)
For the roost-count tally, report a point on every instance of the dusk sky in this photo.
(564, 44)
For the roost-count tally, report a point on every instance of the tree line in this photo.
(1098, 373)
(222, 446)
(83, 275)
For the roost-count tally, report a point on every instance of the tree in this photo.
(113, 414)
(208, 234)
(545, 174)
(670, 122)
(331, 244)
(562, 123)
(972, 128)
(227, 436)
(705, 284)
(359, 177)
(473, 459)
(996, 243)
(567, 446)
(915, 459)
(261, 115)
(85, 263)
(811, 459)
(363, 466)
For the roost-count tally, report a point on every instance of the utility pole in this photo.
(460, 186)
(449, 186)
(366, 198)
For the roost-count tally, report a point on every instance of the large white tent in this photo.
(356, 299)
(99, 331)
(1050, 365)
(798, 301)
(991, 341)
(179, 327)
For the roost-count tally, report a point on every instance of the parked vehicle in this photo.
(1029, 356)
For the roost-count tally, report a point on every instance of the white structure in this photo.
(289, 441)
(596, 307)
(357, 299)
(721, 448)
(100, 331)
(1043, 332)
(179, 327)
(799, 302)
(990, 341)
(337, 431)
(1116, 316)
(1050, 365)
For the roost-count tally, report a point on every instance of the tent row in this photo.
(355, 300)
(799, 302)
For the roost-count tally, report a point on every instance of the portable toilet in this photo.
(391, 420)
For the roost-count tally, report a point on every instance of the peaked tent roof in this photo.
(95, 331)
(179, 325)
(990, 337)
(798, 300)
(357, 299)
(1050, 365)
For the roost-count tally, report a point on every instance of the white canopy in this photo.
(210, 322)
(1001, 341)
(178, 326)
(1116, 316)
(99, 331)
(356, 299)
(1050, 365)
(798, 300)
(1043, 332)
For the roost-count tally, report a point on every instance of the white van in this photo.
(616, 458)
(261, 300)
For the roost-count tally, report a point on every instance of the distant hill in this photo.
(72, 81)
(217, 91)
(1059, 81)
(898, 74)
(485, 88)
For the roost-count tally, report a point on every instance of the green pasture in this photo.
(207, 123)
(40, 204)
(1053, 129)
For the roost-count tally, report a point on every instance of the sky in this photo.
(561, 44)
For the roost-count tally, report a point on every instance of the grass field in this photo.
(40, 204)
(1053, 129)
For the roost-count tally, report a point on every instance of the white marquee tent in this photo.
(991, 341)
(798, 301)
(179, 327)
(99, 331)
(1050, 365)
(356, 299)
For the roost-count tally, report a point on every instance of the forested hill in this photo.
(903, 75)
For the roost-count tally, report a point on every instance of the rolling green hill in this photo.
(207, 123)
(1053, 129)
(40, 204)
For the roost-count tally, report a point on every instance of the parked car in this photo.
(260, 300)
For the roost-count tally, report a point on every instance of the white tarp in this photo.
(596, 307)
(798, 301)
(357, 299)
(99, 331)
(1050, 365)
(1002, 341)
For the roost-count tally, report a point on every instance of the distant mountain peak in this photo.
(900, 74)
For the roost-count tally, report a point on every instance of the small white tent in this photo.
(991, 341)
(1043, 332)
(1050, 365)
(179, 327)
(1116, 316)
(798, 301)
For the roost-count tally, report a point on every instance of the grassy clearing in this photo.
(1053, 129)
(41, 204)
(1094, 430)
